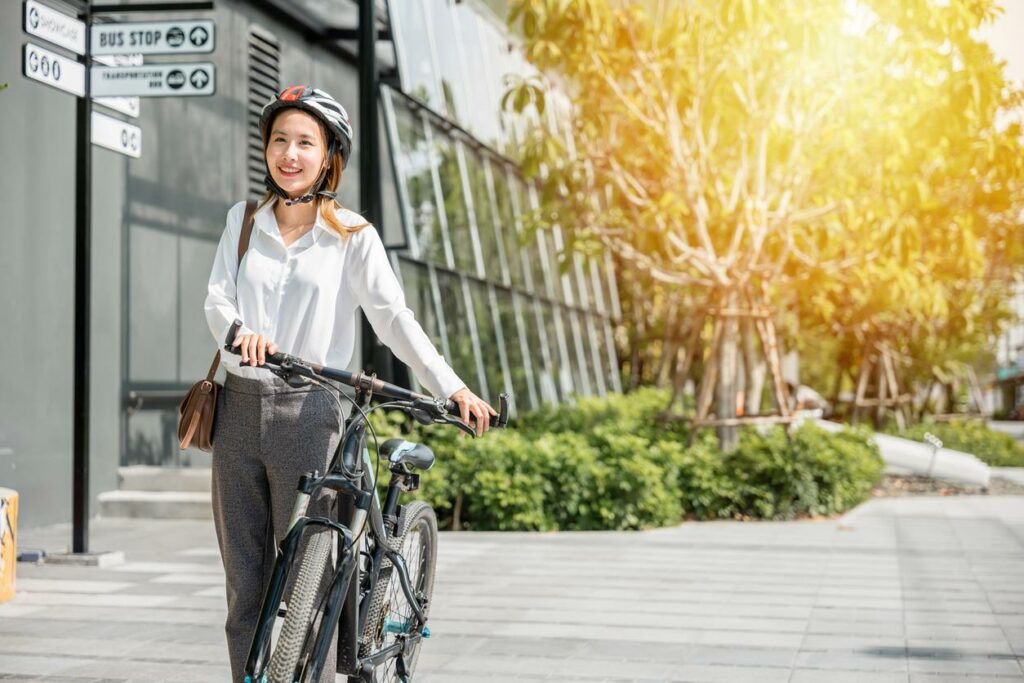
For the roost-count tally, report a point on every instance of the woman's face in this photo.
(295, 151)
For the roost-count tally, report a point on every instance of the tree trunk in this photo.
(755, 369)
(728, 437)
(635, 371)
(669, 344)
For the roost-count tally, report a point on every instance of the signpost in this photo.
(55, 27)
(50, 68)
(116, 85)
(125, 105)
(116, 135)
(153, 80)
(153, 38)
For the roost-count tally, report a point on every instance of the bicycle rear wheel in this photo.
(308, 589)
(390, 615)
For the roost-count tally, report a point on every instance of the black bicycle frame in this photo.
(342, 603)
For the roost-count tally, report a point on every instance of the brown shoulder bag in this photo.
(196, 411)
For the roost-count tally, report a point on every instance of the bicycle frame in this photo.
(343, 606)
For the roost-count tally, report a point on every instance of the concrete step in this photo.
(156, 504)
(146, 478)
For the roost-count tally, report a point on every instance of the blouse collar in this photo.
(267, 222)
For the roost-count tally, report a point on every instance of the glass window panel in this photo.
(585, 298)
(574, 347)
(538, 275)
(608, 355)
(415, 54)
(593, 349)
(457, 328)
(482, 98)
(449, 71)
(454, 195)
(509, 228)
(561, 364)
(595, 285)
(488, 338)
(415, 162)
(483, 212)
(522, 391)
(418, 296)
(607, 287)
(566, 285)
(544, 350)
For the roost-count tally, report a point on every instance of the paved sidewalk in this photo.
(906, 589)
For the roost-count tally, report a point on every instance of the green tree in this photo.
(835, 159)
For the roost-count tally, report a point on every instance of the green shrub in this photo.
(812, 472)
(974, 437)
(613, 464)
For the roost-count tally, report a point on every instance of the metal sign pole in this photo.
(83, 287)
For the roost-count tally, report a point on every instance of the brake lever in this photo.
(448, 419)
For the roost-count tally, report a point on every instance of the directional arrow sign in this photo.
(55, 27)
(153, 80)
(52, 69)
(153, 37)
(116, 135)
(125, 105)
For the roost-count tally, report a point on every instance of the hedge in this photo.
(610, 463)
(991, 447)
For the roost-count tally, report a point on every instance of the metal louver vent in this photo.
(264, 83)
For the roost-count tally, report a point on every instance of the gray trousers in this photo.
(267, 435)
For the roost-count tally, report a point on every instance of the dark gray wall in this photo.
(156, 221)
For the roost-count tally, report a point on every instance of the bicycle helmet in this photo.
(329, 112)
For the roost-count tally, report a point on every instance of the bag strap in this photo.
(247, 220)
(243, 246)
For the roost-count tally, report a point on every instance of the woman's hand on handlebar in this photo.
(471, 405)
(254, 348)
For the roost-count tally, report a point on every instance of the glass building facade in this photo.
(504, 308)
(511, 311)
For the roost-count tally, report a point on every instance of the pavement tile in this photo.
(839, 676)
(974, 666)
(894, 661)
(916, 591)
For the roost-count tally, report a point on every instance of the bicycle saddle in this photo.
(401, 451)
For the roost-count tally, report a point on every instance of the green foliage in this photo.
(858, 163)
(974, 437)
(611, 463)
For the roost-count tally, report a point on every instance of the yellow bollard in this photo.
(8, 547)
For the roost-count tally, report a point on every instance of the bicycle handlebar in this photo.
(364, 382)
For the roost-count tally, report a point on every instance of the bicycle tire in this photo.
(305, 594)
(417, 522)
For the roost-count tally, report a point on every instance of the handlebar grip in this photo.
(501, 419)
(230, 338)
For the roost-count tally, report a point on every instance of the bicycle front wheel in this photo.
(308, 588)
(390, 614)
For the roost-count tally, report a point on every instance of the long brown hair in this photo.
(325, 206)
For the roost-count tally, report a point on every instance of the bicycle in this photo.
(379, 588)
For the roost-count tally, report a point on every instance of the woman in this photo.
(309, 265)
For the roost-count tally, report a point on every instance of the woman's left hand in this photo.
(472, 405)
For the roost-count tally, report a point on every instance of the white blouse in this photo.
(304, 297)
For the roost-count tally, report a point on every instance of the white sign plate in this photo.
(52, 69)
(153, 80)
(125, 105)
(117, 135)
(55, 27)
(153, 37)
